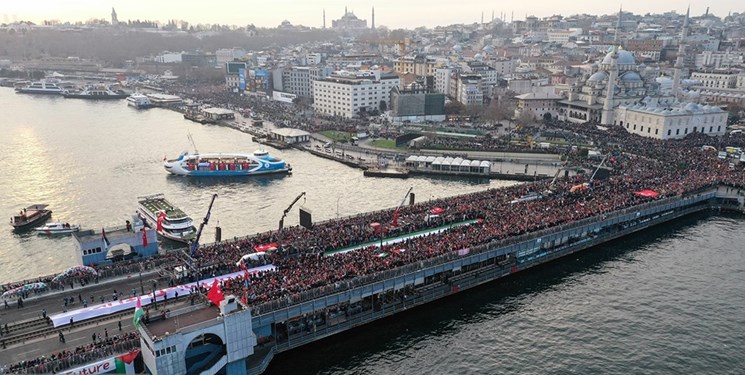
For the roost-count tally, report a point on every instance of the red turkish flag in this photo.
(144, 237)
(215, 293)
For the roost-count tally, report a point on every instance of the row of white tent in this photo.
(450, 164)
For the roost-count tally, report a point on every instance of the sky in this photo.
(391, 13)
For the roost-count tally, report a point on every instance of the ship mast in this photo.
(191, 140)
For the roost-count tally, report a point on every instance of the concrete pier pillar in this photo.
(236, 368)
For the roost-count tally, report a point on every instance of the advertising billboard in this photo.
(242, 79)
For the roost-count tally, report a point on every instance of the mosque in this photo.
(614, 93)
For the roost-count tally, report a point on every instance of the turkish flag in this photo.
(215, 293)
(144, 237)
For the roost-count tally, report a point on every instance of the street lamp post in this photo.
(142, 287)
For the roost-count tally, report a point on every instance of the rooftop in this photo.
(175, 323)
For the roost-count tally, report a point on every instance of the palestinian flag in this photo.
(139, 312)
(125, 363)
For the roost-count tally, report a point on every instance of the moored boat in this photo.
(226, 164)
(170, 221)
(41, 87)
(30, 215)
(100, 92)
(139, 101)
(57, 228)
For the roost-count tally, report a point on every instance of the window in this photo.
(677, 131)
(668, 131)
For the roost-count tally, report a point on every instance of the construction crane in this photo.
(195, 243)
(287, 210)
(394, 222)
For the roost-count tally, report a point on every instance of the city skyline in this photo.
(388, 13)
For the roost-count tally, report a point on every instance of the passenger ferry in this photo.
(41, 87)
(169, 221)
(139, 101)
(226, 164)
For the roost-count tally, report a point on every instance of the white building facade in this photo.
(670, 121)
(348, 94)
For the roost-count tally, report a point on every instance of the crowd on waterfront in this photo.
(79, 355)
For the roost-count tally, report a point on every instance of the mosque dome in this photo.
(458, 47)
(631, 77)
(598, 76)
(488, 49)
(624, 58)
(478, 57)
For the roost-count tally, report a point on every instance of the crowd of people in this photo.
(66, 359)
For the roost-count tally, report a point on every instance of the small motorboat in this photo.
(34, 214)
(57, 228)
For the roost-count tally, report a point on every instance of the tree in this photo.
(454, 108)
(497, 111)
(525, 119)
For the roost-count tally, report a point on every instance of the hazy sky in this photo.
(392, 13)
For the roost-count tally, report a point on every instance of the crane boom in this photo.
(598, 168)
(195, 243)
(407, 194)
(287, 210)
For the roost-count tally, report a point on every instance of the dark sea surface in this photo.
(670, 300)
(91, 160)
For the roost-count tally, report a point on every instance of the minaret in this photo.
(482, 17)
(679, 65)
(114, 19)
(373, 18)
(324, 18)
(618, 25)
(607, 114)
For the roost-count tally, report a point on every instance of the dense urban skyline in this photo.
(390, 13)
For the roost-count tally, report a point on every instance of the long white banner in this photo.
(79, 315)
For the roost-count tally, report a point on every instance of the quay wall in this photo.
(477, 266)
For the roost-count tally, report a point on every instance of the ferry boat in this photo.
(30, 215)
(41, 87)
(96, 93)
(139, 101)
(226, 164)
(171, 222)
(57, 228)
